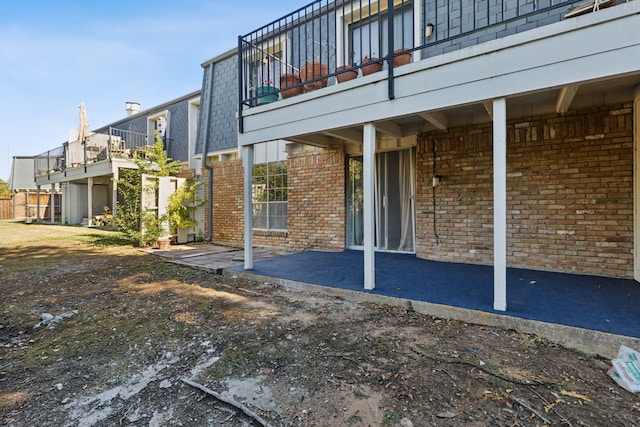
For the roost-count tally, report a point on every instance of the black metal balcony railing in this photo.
(117, 143)
(326, 39)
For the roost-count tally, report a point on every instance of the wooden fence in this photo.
(6, 208)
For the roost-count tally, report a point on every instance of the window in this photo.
(269, 194)
(269, 186)
(365, 28)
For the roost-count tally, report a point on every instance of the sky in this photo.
(57, 54)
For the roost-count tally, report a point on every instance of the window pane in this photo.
(260, 215)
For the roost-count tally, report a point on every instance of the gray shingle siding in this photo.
(178, 131)
(219, 124)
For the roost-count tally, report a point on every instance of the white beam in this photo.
(499, 204)
(488, 105)
(368, 176)
(349, 135)
(314, 140)
(565, 98)
(247, 163)
(390, 129)
(437, 119)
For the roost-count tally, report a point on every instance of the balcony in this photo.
(541, 56)
(95, 148)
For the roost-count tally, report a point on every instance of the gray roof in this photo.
(22, 173)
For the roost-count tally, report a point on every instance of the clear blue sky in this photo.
(56, 54)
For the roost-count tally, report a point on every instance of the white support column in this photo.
(52, 204)
(114, 194)
(636, 184)
(418, 29)
(247, 163)
(499, 204)
(90, 202)
(64, 210)
(368, 177)
(37, 203)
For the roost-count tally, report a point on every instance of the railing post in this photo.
(240, 87)
(390, 79)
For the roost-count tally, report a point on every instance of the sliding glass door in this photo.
(394, 211)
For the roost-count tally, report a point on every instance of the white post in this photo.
(636, 184)
(38, 203)
(90, 201)
(500, 204)
(114, 194)
(368, 177)
(52, 204)
(247, 163)
(64, 188)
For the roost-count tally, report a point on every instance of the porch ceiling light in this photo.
(428, 30)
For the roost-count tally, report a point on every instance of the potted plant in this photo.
(346, 73)
(401, 57)
(312, 72)
(286, 82)
(371, 65)
(267, 92)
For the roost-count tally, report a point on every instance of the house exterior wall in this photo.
(317, 205)
(453, 23)
(316, 202)
(569, 193)
(219, 105)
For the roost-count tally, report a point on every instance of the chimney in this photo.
(132, 108)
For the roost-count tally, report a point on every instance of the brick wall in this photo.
(317, 212)
(316, 202)
(227, 202)
(569, 193)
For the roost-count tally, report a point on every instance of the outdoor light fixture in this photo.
(428, 31)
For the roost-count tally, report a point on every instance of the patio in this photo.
(589, 313)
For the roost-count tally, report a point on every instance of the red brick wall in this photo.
(317, 212)
(228, 204)
(569, 193)
(316, 202)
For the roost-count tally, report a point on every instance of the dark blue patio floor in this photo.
(588, 302)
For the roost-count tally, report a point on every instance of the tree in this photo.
(5, 191)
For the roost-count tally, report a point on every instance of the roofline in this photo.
(228, 54)
(156, 107)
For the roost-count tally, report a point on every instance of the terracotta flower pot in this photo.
(287, 80)
(345, 73)
(311, 71)
(163, 243)
(371, 65)
(401, 58)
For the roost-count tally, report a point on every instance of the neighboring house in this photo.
(86, 168)
(29, 202)
(507, 140)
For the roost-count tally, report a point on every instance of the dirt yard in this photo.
(133, 340)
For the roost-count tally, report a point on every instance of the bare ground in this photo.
(139, 335)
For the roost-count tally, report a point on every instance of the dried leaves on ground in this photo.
(147, 339)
